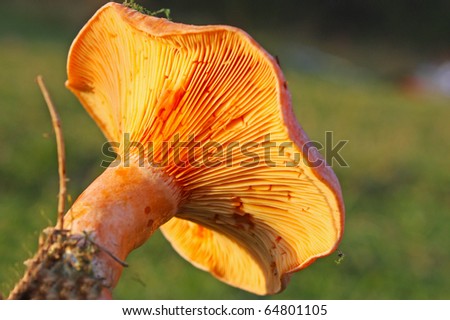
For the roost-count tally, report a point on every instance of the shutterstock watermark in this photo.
(193, 152)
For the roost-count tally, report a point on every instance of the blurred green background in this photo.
(368, 71)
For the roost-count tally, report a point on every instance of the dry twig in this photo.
(60, 149)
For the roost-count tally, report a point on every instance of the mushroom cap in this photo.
(247, 221)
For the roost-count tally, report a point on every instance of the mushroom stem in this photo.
(119, 211)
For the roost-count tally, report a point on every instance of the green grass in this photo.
(396, 186)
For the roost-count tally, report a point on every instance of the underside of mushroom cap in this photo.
(259, 201)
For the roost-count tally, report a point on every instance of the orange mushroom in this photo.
(228, 174)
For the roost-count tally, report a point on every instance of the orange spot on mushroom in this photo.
(147, 210)
(161, 114)
(200, 232)
(218, 272)
(240, 211)
(121, 172)
(273, 268)
(244, 222)
(235, 123)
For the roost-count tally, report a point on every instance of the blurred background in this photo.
(376, 73)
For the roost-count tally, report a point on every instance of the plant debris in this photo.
(61, 269)
(133, 5)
